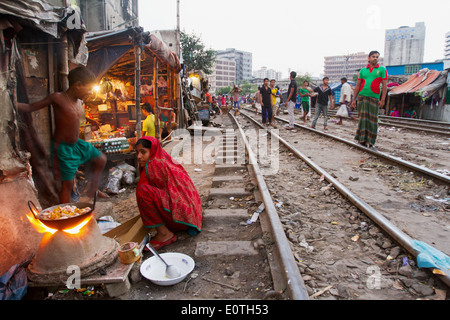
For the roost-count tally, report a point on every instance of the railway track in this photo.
(315, 239)
(418, 169)
(399, 236)
(428, 126)
(312, 235)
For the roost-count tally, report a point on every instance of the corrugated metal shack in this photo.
(39, 43)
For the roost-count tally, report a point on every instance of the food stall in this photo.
(132, 68)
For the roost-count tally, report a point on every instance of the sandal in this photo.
(159, 244)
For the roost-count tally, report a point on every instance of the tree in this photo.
(302, 78)
(195, 56)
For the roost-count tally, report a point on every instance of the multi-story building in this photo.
(223, 75)
(244, 62)
(100, 15)
(447, 46)
(267, 73)
(337, 67)
(405, 45)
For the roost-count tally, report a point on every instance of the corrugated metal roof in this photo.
(416, 82)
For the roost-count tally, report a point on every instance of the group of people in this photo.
(408, 113)
(268, 98)
(367, 97)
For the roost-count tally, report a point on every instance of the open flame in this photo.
(42, 228)
(77, 229)
(39, 226)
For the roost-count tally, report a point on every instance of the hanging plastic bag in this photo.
(342, 112)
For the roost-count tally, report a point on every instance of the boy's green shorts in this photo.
(72, 155)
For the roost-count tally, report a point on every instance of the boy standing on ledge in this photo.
(68, 152)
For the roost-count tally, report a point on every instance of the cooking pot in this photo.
(63, 224)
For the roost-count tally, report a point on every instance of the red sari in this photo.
(166, 194)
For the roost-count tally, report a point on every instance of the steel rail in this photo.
(398, 235)
(415, 127)
(410, 166)
(294, 280)
(432, 127)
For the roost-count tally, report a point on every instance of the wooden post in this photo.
(156, 95)
(388, 109)
(403, 105)
(137, 86)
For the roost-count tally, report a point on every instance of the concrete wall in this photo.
(18, 239)
(101, 15)
(441, 113)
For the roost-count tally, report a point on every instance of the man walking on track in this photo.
(292, 99)
(305, 93)
(325, 94)
(372, 83)
(266, 103)
(275, 96)
(346, 98)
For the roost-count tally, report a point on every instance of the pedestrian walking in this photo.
(305, 94)
(258, 100)
(346, 99)
(372, 83)
(266, 103)
(275, 99)
(325, 94)
(292, 99)
(236, 99)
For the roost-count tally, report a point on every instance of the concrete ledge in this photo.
(217, 181)
(226, 193)
(226, 248)
(224, 169)
(224, 213)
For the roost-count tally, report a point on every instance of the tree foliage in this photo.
(195, 55)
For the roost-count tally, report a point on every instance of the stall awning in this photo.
(162, 51)
(113, 52)
(43, 15)
(416, 82)
(429, 90)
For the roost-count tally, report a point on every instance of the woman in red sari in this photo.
(166, 196)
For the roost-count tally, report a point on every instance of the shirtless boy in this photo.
(68, 151)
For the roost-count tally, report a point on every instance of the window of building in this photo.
(412, 69)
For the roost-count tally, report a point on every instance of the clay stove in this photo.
(82, 246)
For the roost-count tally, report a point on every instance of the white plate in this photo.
(154, 269)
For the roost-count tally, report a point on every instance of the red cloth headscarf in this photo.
(166, 187)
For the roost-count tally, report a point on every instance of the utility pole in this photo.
(178, 15)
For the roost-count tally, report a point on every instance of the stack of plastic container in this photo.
(111, 146)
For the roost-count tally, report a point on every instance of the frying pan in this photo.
(63, 224)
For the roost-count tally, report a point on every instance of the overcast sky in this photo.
(297, 35)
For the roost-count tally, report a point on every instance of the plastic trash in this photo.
(114, 179)
(14, 283)
(107, 224)
(430, 257)
(129, 173)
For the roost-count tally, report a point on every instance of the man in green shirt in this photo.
(305, 93)
(372, 83)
